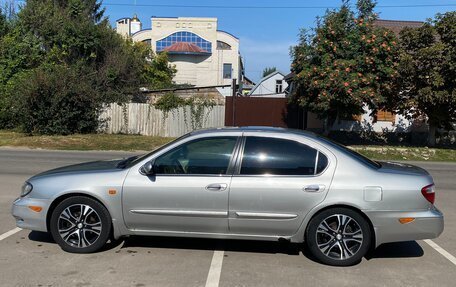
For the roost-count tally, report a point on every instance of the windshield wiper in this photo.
(125, 162)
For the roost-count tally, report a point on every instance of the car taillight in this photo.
(429, 193)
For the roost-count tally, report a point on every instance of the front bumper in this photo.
(27, 218)
(428, 224)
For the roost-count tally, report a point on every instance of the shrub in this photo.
(58, 100)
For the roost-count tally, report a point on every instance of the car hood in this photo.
(399, 167)
(87, 167)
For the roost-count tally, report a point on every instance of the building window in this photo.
(184, 37)
(148, 42)
(227, 71)
(384, 116)
(278, 86)
(223, 46)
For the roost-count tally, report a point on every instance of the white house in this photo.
(203, 54)
(272, 86)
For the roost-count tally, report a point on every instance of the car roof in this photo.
(254, 129)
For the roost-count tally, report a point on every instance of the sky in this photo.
(266, 34)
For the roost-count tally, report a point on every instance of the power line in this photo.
(271, 7)
(264, 7)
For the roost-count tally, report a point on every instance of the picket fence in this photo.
(144, 119)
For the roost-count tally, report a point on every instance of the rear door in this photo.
(278, 181)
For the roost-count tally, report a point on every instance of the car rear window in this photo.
(352, 153)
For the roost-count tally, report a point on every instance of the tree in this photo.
(3, 23)
(73, 39)
(428, 73)
(19, 52)
(56, 99)
(345, 64)
(268, 70)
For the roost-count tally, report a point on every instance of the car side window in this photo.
(274, 156)
(201, 156)
(322, 163)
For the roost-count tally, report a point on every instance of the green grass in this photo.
(406, 153)
(83, 142)
(146, 143)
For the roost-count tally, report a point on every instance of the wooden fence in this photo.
(144, 119)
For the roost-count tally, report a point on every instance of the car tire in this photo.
(338, 237)
(80, 225)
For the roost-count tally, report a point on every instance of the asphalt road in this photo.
(33, 259)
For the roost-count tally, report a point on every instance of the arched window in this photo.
(223, 46)
(188, 38)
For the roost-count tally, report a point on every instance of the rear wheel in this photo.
(80, 225)
(338, 236)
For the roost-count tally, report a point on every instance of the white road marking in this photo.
(213, 278)
(442, 251)
(9, 233)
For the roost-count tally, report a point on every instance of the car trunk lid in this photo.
(399, 167)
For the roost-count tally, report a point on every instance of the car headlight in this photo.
(26, 188)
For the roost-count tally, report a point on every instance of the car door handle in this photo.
(217, 187)
(314, 188)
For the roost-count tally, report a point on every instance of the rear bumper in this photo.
(428, 224)
(27, 218)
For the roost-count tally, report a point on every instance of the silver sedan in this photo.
(238, 183)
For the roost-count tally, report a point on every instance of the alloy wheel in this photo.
(339, 236)
(79, 225)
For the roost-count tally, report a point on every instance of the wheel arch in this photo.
(64, 196)
(317, 211)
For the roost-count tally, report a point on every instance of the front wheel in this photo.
(80, 225)
(338, 237)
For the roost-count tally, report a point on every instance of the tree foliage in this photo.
(73, 39)
(428, 72)
(58, 100)
(268, 70)
(346, 63)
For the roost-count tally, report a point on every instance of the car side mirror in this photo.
(148, 168)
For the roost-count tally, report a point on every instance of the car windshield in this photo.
(131, 161)
(352, 153)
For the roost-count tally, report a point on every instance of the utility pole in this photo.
(233, 94)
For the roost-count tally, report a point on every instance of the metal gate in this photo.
(257, 111)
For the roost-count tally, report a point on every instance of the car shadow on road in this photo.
(282, 247)
(408, 249)
(43, 237)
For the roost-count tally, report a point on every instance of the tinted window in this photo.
(277, 157)
(351, 152)
(140, 158)
(322, 163)
(203, 156)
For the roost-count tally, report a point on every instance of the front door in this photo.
(188, 191)
(279, 181)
